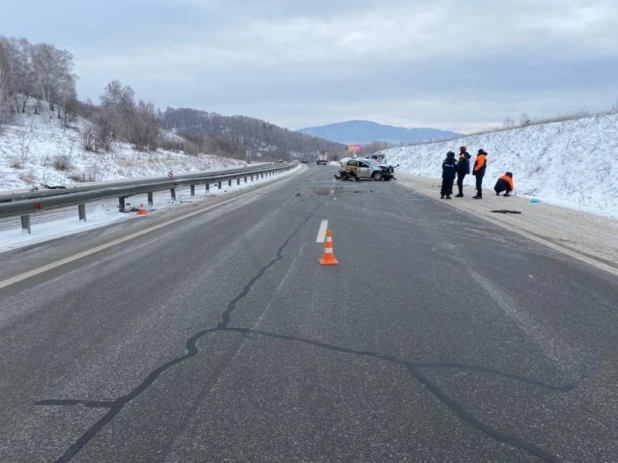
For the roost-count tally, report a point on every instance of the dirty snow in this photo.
(572, 164)
(62, 222)
(39, 150)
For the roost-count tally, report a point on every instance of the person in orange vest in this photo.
(480, 165)
(505, 183)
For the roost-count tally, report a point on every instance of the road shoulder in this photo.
(587, 237)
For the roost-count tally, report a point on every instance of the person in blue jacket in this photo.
(449, 171)
(463, 169)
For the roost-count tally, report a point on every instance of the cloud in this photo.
(447, 63)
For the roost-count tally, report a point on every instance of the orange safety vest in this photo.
(509, 180)
(480, 162)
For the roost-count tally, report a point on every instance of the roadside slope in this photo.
(571, 163)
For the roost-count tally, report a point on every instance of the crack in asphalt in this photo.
(226, 315)
(415, 369)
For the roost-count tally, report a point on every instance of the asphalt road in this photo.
(439, 337)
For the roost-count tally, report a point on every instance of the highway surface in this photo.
(218, 337)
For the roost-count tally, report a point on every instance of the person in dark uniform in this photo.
(505, 183)
(480, 165)
(449, 171)
(463, 169)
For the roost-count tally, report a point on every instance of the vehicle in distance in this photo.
(359, 169)
(322, 157)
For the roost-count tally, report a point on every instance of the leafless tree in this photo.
(118, 103)
(144, 127)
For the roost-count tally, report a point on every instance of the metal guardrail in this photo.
(44, 193)
(79, 198)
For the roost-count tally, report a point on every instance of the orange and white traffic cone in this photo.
(141, 210)
(328, 258)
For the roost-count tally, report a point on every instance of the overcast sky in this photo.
(450, 64)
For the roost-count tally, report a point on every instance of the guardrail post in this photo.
(81, 211)
(192, 190)
(25, 224)
(238, 181)
(229, 182)
(121, 203)
(150, 199)
(219, 183)
(251, 177)
(207, 187)
(173, 193)
(245, 179)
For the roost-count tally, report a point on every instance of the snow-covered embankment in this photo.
(571, 163)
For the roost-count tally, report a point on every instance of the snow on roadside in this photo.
(106, 212)
(572, 164)
(39, 150)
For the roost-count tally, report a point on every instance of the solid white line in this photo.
(322, 232)
(66, 260)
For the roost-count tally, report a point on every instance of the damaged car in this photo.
(359, 169)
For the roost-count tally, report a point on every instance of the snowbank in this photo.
(39, 150)
(572, 164)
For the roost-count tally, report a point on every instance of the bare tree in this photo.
(5, 80)
(509, 123)
(144, 127)
(525, 121)
(119, 105)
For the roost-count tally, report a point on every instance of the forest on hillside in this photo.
(37, 74)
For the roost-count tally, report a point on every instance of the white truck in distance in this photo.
(322, 157)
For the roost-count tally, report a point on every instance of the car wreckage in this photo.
(359, 169)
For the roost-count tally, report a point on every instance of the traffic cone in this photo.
(141, 210)
(328, 258)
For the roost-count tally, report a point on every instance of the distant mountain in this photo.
(367, 131)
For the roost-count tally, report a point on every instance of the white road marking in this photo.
(322, 232)
(66, 260)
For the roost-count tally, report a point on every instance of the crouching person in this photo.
(505, 183)
(449, 171)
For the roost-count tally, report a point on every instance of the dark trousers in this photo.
(479, 185)
(460, 179)
(447, 187)
(500, 190)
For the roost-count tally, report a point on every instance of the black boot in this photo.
(477, 197)
(442, 197)
(460, 195)
(448, 196)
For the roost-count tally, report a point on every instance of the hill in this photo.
(570, 163)
(37, 148)
(366, 132)
(215, 133)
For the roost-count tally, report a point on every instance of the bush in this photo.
(89, 138)
(16, 163)
(62, 162)
(92, 173)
